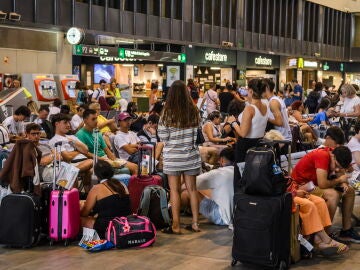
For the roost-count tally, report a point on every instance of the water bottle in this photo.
(276, 169)
(144, 166)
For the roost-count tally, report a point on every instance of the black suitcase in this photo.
(20, 215)
(262, 230)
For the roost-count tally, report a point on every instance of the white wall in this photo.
(26, 61)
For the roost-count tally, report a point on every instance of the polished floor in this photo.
(210, 249)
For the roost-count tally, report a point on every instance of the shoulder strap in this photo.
(145, 201)
(108, 188)
(164, 205)
(209, 96)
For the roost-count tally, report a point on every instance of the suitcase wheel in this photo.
(233, 262)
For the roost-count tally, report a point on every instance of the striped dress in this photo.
(180, 153)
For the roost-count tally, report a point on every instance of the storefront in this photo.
(209, 65)
(332, 73)
(352, 74)
(262, 66)
(304, 70)
(132, 69)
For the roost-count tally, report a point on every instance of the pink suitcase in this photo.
(64, 215)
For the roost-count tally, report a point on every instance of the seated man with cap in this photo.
(126, 142)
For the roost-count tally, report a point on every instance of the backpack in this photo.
(154, 204)
(194, 93)
(312, 101)
(81, 99)
(131, 231)
(262, 173)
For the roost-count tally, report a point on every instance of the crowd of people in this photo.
(201, 176)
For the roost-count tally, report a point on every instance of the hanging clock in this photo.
(74, 35)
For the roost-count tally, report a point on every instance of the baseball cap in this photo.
(123, 116)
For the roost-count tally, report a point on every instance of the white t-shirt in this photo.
(220, 181)
(354, 146)
(121, 139)
(98, 93)
(13, 126)
(211, 97)
(66, 146)
(349, 104)
(75, 122)
(53, 110)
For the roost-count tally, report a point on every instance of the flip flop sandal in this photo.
(341, 248)
(191, 229)
(169, 230)
(327, 252)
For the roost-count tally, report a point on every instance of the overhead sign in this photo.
(215, 57)
(263, 61)
(310, 64)
(113, 54)
(257, 60)
(292, 62)
(219, 57)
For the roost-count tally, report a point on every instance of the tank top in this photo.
(285, 128)
(258, 123)
(216, 131)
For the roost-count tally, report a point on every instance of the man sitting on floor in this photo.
(326, 169)
(216, 190)
(86, 135)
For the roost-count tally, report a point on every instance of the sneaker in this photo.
(350, 235)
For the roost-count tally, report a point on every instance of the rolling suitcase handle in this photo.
(56, 162)
(150, 147)
(94, 179)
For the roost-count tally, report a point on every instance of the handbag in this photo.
(199, 136)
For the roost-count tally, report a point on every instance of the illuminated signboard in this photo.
(263, 61)
(215, 57)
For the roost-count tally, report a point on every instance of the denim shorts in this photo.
(209, 209)
(185, 172)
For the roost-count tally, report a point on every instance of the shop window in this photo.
(225, 14)
(178, 9)
(216, 10)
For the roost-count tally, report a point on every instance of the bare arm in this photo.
(275, 109)
(89, 203)
(323, 182)
(109, 154)
(245, 126)
(130, 148)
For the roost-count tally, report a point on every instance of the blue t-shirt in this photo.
(318, 118)
(298, 89)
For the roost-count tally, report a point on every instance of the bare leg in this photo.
(348, 201)
(174, 183)
(190, 182)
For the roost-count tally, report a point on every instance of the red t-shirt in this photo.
(305, 169)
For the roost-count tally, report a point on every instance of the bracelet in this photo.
(232, 124)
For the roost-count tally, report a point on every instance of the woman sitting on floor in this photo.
(105, 201)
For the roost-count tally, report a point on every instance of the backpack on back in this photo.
(262, 173)
(154, 204)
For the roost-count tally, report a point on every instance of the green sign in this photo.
(78, 49)
(182, 58)
(326, 66)
(342, 67)
(121, 52)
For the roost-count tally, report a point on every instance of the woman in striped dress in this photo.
(177, 129)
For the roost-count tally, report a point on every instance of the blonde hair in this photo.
(94, 106)
(348, 90)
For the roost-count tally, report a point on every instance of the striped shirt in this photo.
(180, 153)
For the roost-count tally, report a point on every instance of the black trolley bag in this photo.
(262, 225)
(20, 215)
